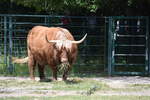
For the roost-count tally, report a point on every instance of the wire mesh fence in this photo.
(14, 30)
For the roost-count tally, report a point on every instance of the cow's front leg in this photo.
(65, 74)
(54, 73)
(41, 73)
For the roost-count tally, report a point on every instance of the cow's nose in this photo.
(64, 60)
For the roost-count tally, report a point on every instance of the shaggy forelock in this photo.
(63, 42)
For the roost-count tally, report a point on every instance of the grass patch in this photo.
(71, 84)
(22, 83)
(140, 86)
(71, 97)
(78, 84)
(131, 88)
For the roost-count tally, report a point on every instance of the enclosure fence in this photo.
(114, 45)
(14, 30)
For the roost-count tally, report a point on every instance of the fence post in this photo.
(148, 43)
(106, 44)
(5, 40)
(10, 65)
(109, 47)
(146, 49)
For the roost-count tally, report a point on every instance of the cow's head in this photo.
(64, 46)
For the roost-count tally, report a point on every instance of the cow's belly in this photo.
(39, 56)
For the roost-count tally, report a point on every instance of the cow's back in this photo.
(43, 51)
(37, 35)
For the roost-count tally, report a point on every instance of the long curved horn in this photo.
(79, 41)
(75, 42)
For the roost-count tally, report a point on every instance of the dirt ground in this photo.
(141, 87)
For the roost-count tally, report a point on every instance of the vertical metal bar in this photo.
(85, 44)
(5, 40)
(110, 47)
(105, 43)
(147, 67)
(113, 38)
(48, 21)
(45, 21)
(10, 66)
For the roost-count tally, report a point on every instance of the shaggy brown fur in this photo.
(41, 52)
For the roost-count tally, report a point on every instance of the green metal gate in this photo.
(128, 46)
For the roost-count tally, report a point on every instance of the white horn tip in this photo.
(85, 34)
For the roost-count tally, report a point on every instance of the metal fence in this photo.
(14, 30)
(117, 45)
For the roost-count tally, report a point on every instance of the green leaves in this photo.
(59, 5)
(85, 7)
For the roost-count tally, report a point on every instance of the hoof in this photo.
(32, 78)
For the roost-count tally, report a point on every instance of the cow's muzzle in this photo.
(63, 60)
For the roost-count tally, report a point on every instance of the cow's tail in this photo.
(20, 60)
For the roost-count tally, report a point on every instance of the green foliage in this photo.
(82, 7)
(51, 6)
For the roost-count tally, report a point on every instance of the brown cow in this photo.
(50, 46)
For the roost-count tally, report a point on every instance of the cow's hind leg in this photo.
(31, 65)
